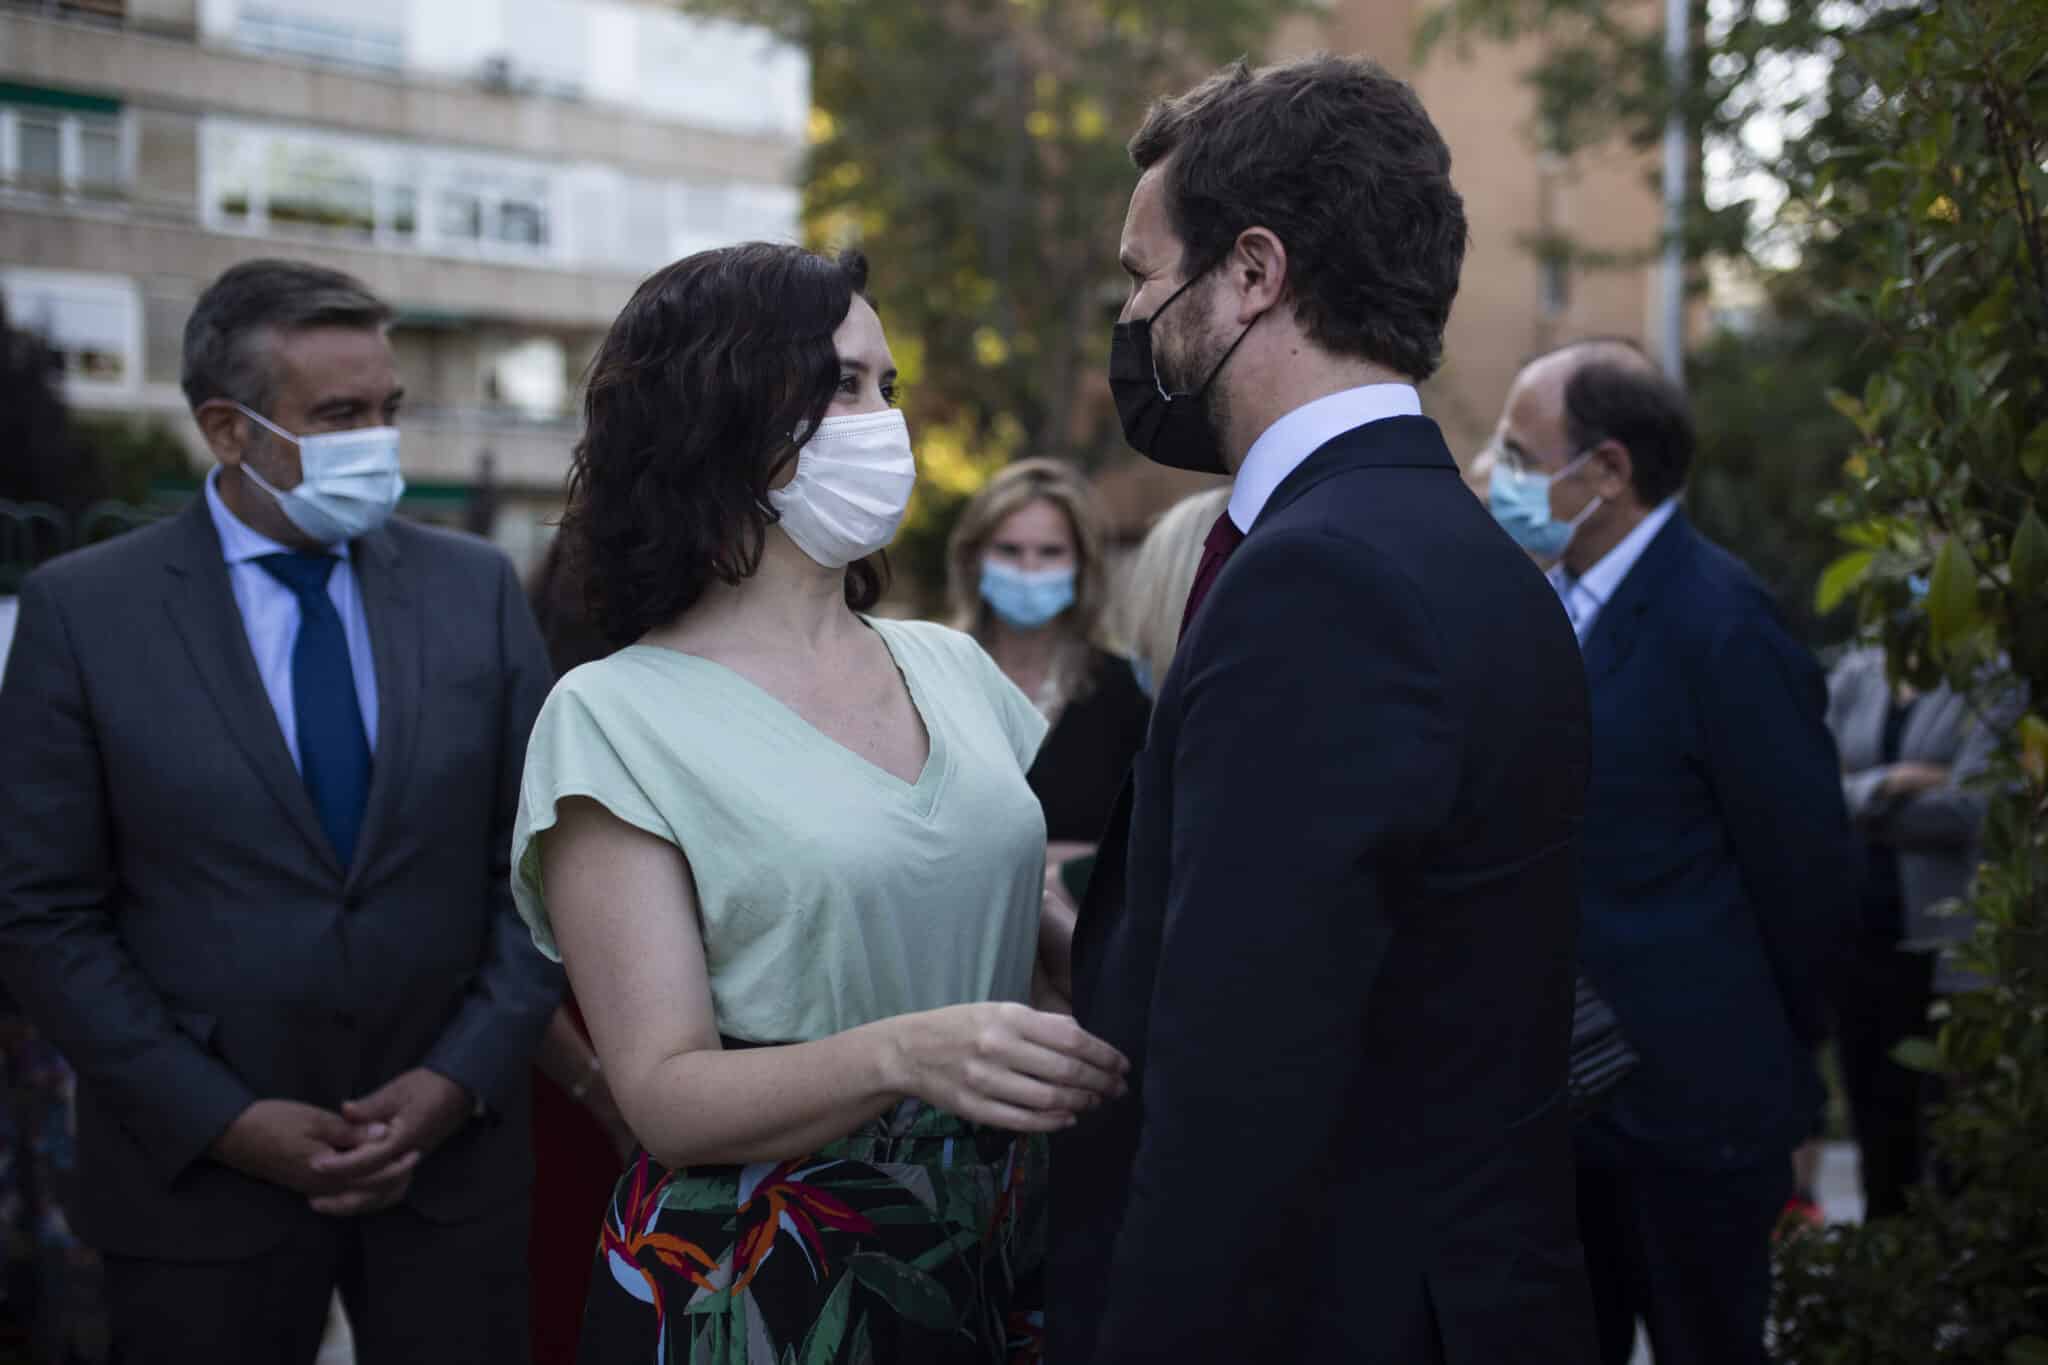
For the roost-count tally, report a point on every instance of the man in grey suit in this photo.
(256, 795)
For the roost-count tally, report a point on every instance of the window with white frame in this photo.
(274, 181)
(348, 32)
(54, 142)
(94, 322)
(302, 182)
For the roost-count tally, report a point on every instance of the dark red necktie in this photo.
(1224, 538)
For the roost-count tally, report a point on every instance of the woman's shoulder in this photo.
(617, 697)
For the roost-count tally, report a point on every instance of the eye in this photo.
(849, 384)
(892, 394)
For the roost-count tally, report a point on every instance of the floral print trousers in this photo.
(920, 1238)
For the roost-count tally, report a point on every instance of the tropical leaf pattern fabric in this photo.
(921, 1237)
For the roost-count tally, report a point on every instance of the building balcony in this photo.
(66, 46)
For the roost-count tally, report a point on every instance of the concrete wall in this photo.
(1602, 199)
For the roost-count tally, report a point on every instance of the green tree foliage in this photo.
(1915, 189)
(1939, 190)
(976, 151)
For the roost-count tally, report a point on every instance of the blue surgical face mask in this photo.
(348, 480)
(1520, 502)
(1023, 600)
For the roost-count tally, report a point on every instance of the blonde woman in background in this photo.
(1026, 577)
(1147, 612)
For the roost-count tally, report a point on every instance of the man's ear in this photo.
(1258, 272)
(225, 428)
(1614, 470)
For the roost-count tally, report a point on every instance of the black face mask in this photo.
(1172, 429)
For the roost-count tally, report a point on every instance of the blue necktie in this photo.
(334, 751)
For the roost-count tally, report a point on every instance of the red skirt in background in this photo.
(575, 1167)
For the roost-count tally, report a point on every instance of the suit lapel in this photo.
(397, 640)
(201, 605)
(1620, 621)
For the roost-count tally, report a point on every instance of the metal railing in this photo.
(33, 533)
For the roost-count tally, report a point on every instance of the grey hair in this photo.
(225, 351)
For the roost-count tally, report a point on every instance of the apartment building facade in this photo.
(503, 171)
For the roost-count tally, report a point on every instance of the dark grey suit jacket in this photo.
(174, 920)
(1935, 832)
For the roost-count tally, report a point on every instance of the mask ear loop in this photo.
(1593, 505)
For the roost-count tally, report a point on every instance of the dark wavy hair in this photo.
(1340, 161)
(689, 412)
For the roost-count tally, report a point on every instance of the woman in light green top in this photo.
(789, 858)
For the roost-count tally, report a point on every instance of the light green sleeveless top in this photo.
(832, 894)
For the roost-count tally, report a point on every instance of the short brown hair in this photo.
(1340, 161)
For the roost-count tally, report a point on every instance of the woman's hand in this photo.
(1004, 1064)
(1911, 778)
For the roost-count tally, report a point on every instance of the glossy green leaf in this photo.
(2030, 554)
(1841, 578)
(2034, 454)
(1952, 610)
(1919, 1054)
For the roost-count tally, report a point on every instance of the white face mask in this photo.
(852, 487)
(348, 481)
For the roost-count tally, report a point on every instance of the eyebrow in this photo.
(348, 402)
(847, 362)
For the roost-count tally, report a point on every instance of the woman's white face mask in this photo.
(852, 487)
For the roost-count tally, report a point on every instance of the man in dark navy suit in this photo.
(1332, 920)
(1719, 870)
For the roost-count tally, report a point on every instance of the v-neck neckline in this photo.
(922, 793)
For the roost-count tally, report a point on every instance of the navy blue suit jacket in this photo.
(1332, 927)
(1720, 873)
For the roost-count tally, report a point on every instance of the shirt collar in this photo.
(1282, 447)
(1604, 578)
(239, 542)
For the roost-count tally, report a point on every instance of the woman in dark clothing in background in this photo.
(1026, 577)
(580, 1140)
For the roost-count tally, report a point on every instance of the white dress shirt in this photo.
(270, 614)
(1584, 597)
(1282, 447)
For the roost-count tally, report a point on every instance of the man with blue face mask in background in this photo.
(1719, 875)
(255, 813)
